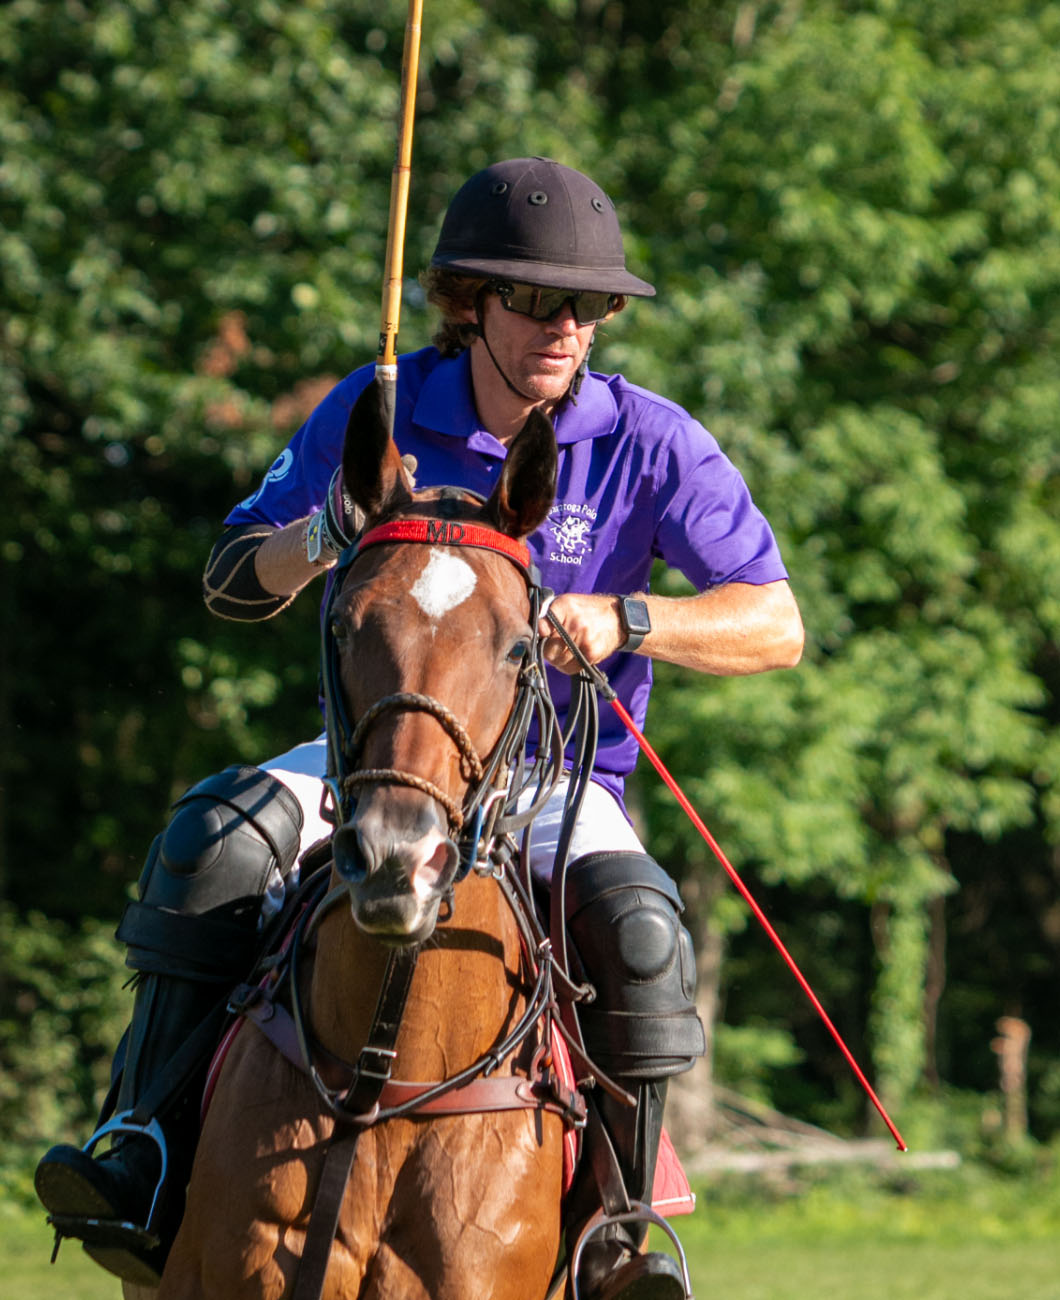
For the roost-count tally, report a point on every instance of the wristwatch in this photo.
(633, 614)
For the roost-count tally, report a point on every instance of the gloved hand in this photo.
(343, 521)
(339, 523)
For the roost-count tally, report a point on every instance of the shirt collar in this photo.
(445, 404)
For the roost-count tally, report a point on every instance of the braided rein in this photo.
(407, 701)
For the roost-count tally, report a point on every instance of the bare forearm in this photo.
(281, 563)
(728, 631)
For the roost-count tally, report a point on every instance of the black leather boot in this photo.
(125, 1203)
(192, 936)
(611, 1265)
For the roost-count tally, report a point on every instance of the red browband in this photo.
(446, 532)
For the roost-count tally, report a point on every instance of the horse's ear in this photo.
(372, 471)
(527, 486)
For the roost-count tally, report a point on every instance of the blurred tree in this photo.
(182, 247)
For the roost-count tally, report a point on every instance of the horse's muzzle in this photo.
(396, 885)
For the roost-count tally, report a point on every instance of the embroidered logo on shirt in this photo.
(570, 526)
(279, 469)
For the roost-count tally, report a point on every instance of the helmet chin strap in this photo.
(573, 388)
(581, 372)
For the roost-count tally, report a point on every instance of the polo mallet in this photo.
(605, 688)
(386, 362)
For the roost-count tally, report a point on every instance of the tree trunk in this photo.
(1011, 1047)
(934, 984)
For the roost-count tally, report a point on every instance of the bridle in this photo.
(488, 808)
(483, 823)
(454, 728)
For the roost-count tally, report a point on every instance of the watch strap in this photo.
(317, 549)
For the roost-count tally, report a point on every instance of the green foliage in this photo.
(745, 1054)
(60, 1018)
(863, 231)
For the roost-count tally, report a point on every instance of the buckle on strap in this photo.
(360, 1102)
(375, 1062)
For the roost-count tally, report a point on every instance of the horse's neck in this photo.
(466, 988)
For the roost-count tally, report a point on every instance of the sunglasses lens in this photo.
(590, 307)
(546, 304)
(533, 300)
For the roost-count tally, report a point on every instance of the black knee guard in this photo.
(202, 887)
(623, 919)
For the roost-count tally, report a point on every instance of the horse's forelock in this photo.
(434, 502)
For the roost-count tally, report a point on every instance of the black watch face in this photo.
(635, 617)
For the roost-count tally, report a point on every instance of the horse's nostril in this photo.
(349, 858)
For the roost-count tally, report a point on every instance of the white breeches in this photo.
(602, 825)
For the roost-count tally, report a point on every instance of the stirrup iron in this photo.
(639, 1212)
(102, 1229)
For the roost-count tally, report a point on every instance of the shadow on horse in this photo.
(392, 1125)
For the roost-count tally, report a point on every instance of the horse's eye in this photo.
(339, 630)
(518, 652)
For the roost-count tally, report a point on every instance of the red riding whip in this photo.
(607, 691)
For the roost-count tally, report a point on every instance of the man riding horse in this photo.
(529, 262)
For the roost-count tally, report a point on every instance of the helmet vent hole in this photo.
(598, 204)
(499, 187)
(538, 198)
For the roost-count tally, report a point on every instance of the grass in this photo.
(966, 1234)
(25, 1274)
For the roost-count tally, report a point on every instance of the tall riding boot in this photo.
(611, 1266)
(191, 936)
(126, 1203)
(623, 918)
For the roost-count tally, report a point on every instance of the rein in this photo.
(364, 1093)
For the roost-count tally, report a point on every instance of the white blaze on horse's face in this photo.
(445, 582)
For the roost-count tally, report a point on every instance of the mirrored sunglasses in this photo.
(534, 300)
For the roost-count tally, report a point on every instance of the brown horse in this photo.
(431, 646)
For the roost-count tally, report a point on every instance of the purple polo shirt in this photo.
(639, 480)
